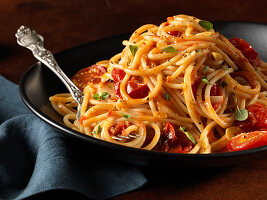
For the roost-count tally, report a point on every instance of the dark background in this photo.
(68, 23)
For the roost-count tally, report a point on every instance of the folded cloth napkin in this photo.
(36, 158)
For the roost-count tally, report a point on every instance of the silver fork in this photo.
(122, 137)
(28, 38)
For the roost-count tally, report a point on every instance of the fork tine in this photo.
(121, 137)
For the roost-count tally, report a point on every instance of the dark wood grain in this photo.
(68, 23)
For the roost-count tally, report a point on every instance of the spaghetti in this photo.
(180, 87)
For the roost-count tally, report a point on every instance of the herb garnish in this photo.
(189, 136)
(125, 116)
(205, 69)
(206, 25)
(241, 114)
(98, 130)
(169, 49)
(205, 80)
(96, 96)
(167, 97)
(133, 49)
(103, 96)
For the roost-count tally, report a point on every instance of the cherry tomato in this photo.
(173, 140)
(137, 90)
(134, 87)
(246, 141)
(117, 129)
(89, 74)
(257, 118)
(117, 74)
(247, 50)
(214, 91)
(174, 33)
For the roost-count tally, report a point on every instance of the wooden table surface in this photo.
(68, 23)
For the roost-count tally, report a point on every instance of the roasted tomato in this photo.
(257, 118)
(175, 33)
(247, 50)
(137, 90)
(117, 74)
(117, 129)
(174, 141)
(134, 87)
(214, 91)
(246, 141)
(89, 74)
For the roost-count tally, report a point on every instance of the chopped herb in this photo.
(169, 49)
(147, 99)
(94, 132)
(104, 95)
(198, 50)
(188, 135)
(133, 49)
(98, 129)
(96, 96)
(206, 25)
(126, 116)
(205, 80)
(241, 114)
(224, 84)
(167, 97)
(205, 69)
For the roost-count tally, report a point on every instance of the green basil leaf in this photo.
(104, 95)
(188, 135)
(205, 80)
(206, 25)
(169, 49)
(133, 49)
(126, 116)
(98, 129)
(205, 69)
(241, 114)
(167, 97)
(96, 96)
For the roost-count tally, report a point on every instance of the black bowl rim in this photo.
(130, 150)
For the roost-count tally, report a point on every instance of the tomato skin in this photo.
(214, 91)
(257, 118)
(246, 141)
(117, 129)
(134, 87)
(174, 141)
(137, 90)
(88, 74)
(117, 74)
(175, 33)
(247, 50)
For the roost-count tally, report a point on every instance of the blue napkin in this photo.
(35, 158)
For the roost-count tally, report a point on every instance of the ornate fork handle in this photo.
(30, 39)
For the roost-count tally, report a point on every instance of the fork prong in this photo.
(121, 137)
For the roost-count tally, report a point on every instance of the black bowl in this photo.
(39, 83)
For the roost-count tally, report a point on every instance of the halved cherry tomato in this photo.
(137, 90)
(88, 74)
(174, 33)
(257, 118)
(246, 141)
(134, 87)
(214, 91)
(118, 128)
(117, 74)
(247, 50)
(173, 140)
